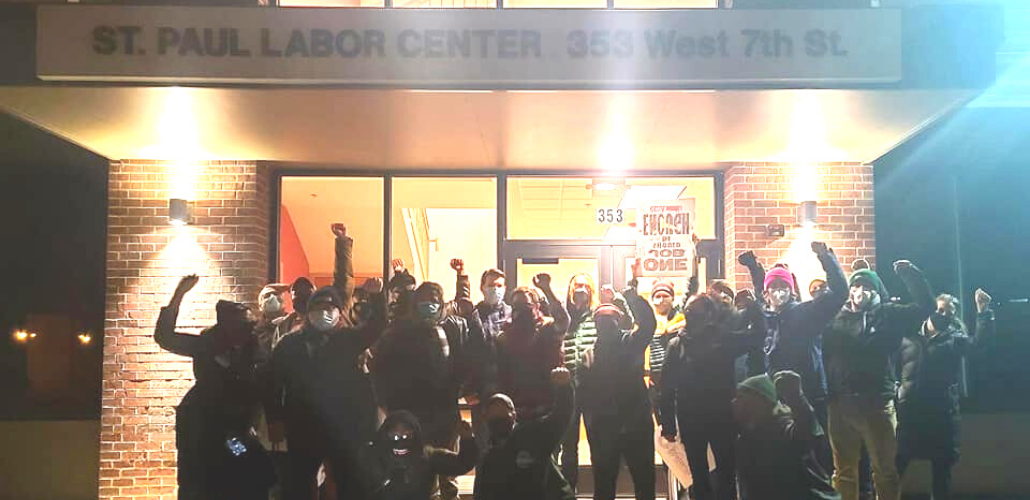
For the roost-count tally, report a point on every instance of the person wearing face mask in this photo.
(219, 455)
(421, 364)
(858, 346)
(794, 329)
(776, 450)
(400, 288)
(399, 465)
(530, 347)
(928, 397)
(697, 390)
(615, 402)
(670, 322)
(322, 394)
(582, 298)
(520, 463)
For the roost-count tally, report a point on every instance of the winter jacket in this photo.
(699, 381)
(525, 357)
(411, 476)
(776, 459)
(523, 466)
(858, 345)
(320, 389)
(928, 396)
(613, 387)
(582, 335)
(793, 335)
(421, 368)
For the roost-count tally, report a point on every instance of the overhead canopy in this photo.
(400, 129)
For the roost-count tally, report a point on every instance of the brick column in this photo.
(763, 193)
(227, 246)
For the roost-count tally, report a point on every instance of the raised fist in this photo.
(637, 268)
(747, 258)
(459, 266)
(788, 385)
(561, 377)
(339, 229)
(542, 281)
(820, 248)
(398, 265)
(983, 300)
(860, 264)
(607, 295)
(903, 266)
(373, 285)
(186, 284)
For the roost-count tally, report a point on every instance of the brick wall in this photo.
(227, 245)
(760, 194)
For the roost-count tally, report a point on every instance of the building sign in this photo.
(665, 243)
(610, 216)
(489, 48)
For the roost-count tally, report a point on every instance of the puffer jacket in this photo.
(582, 336)
(858, 345)
(931, 366)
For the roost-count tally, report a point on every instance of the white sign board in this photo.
(467, 48)
(665, 243)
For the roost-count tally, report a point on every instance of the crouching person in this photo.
(776, 450)
(400, 466)
(520, 463)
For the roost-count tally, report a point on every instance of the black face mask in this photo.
(500, 428)
(940, 322)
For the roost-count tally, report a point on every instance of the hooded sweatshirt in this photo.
(408, 471)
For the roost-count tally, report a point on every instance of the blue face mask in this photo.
(428, 310)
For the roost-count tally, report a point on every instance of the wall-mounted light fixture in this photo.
(807, 212)
(23, 336)
(178, 212)
(85, 338)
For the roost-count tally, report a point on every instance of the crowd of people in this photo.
(354, 394)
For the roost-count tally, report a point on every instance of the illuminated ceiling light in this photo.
(85, 338)
(178, 212)
(606, 184)
(637, 195)
(807, 213)
(616, 155)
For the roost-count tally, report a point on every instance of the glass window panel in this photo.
(438, 219)
(556, 4)
(560, 273)
(666, 4)
(310, 205)
(445, 4)
(566, 207)
(332, 3)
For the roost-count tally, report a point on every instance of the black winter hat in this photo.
(326, 294)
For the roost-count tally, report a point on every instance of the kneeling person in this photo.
(520, 463)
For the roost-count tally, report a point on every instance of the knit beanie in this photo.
(607, 310)
(664, 286)
(869, 276)
(778, 273)
(761, 385)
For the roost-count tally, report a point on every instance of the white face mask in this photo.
(779, 297)
(272, 306)
(494, 295)
(863, 298)
(664, 302)
(324, 320)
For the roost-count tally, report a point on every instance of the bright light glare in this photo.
(85, 338)
(178, 141)
(605, 186)
(802, 261)
(615, 155)
(21, 336)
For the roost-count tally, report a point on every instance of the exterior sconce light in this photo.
(178, 212)
(807, 212)
(85, 338)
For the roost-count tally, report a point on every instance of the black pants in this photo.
(941, 469)
(609, 446)
(301, 481)
(721, 434)
(570, 450)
